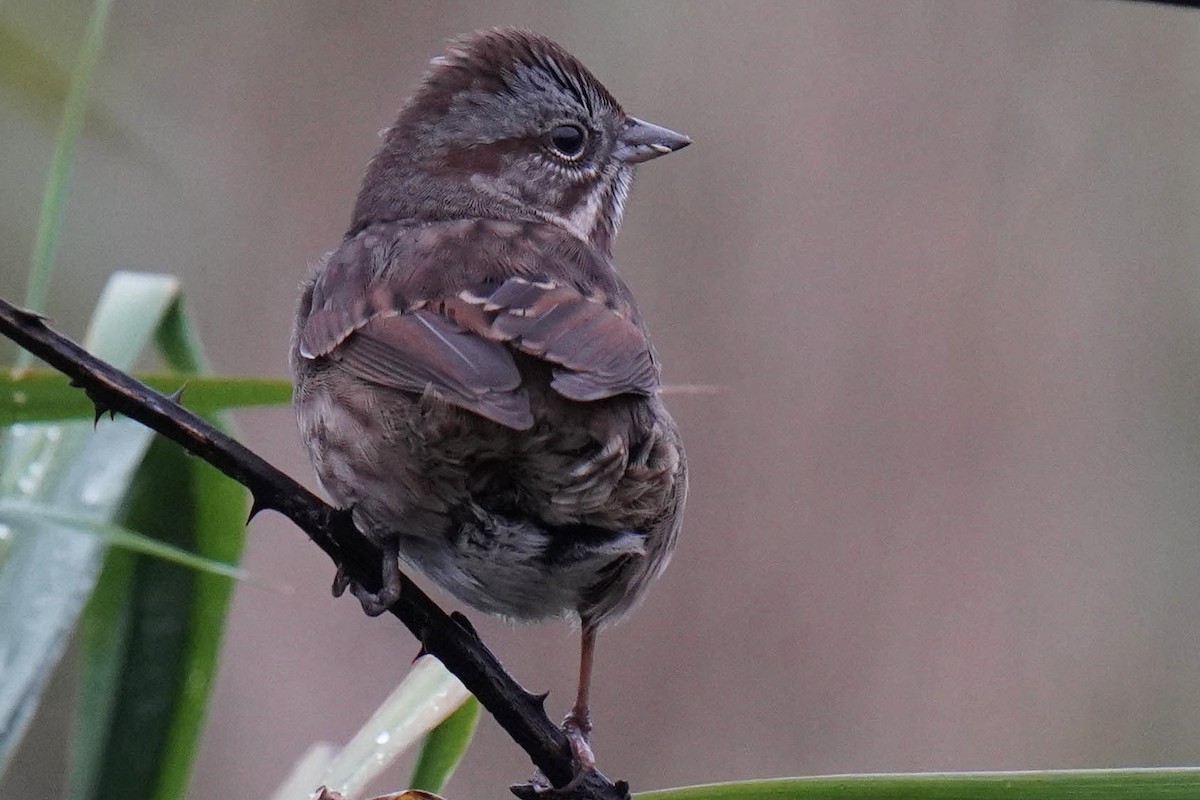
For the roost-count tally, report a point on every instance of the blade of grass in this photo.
(34, 634)
(426, 697)
(178, 343)
(35, 81)
(1116, 784)
(218, 532)
(157, 597)
(42, 395)
(53, 198)
(105, 641)
(73, 469)
(130, 311)
(18, 514)
(175, 617)
(444, 748)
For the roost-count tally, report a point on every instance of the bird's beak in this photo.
(642, 141)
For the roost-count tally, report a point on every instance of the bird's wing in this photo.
(393, 324)
(597, 348)
(355, 313)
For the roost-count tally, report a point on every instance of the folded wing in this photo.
(458, 342)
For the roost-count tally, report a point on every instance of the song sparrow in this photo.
(472, 377)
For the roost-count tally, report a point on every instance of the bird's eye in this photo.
(568, 141)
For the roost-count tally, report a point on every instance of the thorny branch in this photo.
(448, 637)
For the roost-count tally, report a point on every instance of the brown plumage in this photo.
(473, 379)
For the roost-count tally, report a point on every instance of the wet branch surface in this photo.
(448, 637)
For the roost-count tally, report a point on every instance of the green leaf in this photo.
(152, 630)
(36, 621)
(1117, 784)
(129, 313)
(154, 627)
(73, 470)
(104, 640)
(156, 603)
(70, 469)
(40, 395)
(444, 748)
(178, 342)
(219, 532)
(426, 697)
(172, 617)
(22, 514)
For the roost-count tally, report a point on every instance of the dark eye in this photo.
(568, 140)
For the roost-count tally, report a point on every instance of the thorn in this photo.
(75, 383)
(177, 395)
(420, 653)
(539, 698)
(256, 506)
(102, 406)
(29, 315)
(101, 410)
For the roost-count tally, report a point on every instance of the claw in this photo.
(375, 603)
(340, 581)
(577, 730)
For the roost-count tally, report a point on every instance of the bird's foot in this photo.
(340, 582)
(373, 603)
(578, 726)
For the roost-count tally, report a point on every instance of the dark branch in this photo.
(455, 644)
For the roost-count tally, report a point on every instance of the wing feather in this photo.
(421, 351)
(599, 351)
(389, 309)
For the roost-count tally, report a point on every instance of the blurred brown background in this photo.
(944, 257)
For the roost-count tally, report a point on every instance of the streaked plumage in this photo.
(472, 376)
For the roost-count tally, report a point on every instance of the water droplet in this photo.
(95, 490)
(20, 398)
(383, 738)
(31, 478)
(5, 532)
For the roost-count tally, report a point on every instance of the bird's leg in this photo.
(578, 722)
(374, 603)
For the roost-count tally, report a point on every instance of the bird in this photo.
(473, 380)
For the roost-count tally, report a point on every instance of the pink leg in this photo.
(578, 723)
